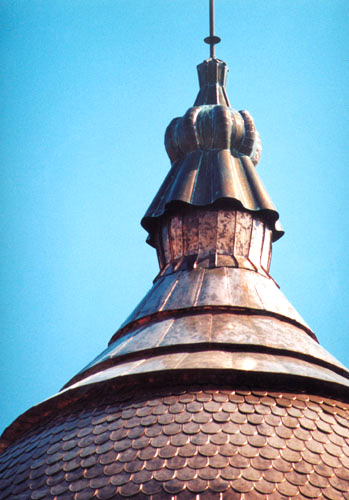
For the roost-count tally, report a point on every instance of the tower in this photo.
(214, 386)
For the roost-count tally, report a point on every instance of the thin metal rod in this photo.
(212, 49)
(212, 39)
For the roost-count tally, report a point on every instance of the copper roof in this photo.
(180, 441)
(213, 151)
(214, 387)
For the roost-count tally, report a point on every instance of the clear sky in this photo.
(87, 90)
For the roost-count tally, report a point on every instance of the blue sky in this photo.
(87, 90)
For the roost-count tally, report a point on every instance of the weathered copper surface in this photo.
(214, 387)
(213, 128)
(181, 441)
(213, 151)
(212, 75)
(220, 331)
(220, 360)
(213, 238)
(267, 426)
(235, 288)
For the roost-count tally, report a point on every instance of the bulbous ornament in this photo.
(213, 127)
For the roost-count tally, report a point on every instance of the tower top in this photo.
(212, 40)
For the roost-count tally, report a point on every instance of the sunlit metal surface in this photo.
(230, 331)
(212, 75)
(214, 388)
(212, 40)
(182, 442)
(199, 237)
(213, 359)
(234, 288)
(213, 151)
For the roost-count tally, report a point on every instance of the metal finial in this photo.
(212, 40)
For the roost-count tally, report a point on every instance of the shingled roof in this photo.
(214, 387)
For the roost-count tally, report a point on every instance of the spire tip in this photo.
(212, 40)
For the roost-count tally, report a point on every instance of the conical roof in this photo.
(214, 387)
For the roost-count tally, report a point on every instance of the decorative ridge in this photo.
(214, 387)
(232, 182)
(214, 128)
(213, 150)
(105, 361)
(212, 75)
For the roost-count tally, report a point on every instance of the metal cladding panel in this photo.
(230, 330)
(203, 178)
(214, 238)
(113, 433)
(212, 75)
(213, 151)
(184, 442)
(217, 287)
(217, 359)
